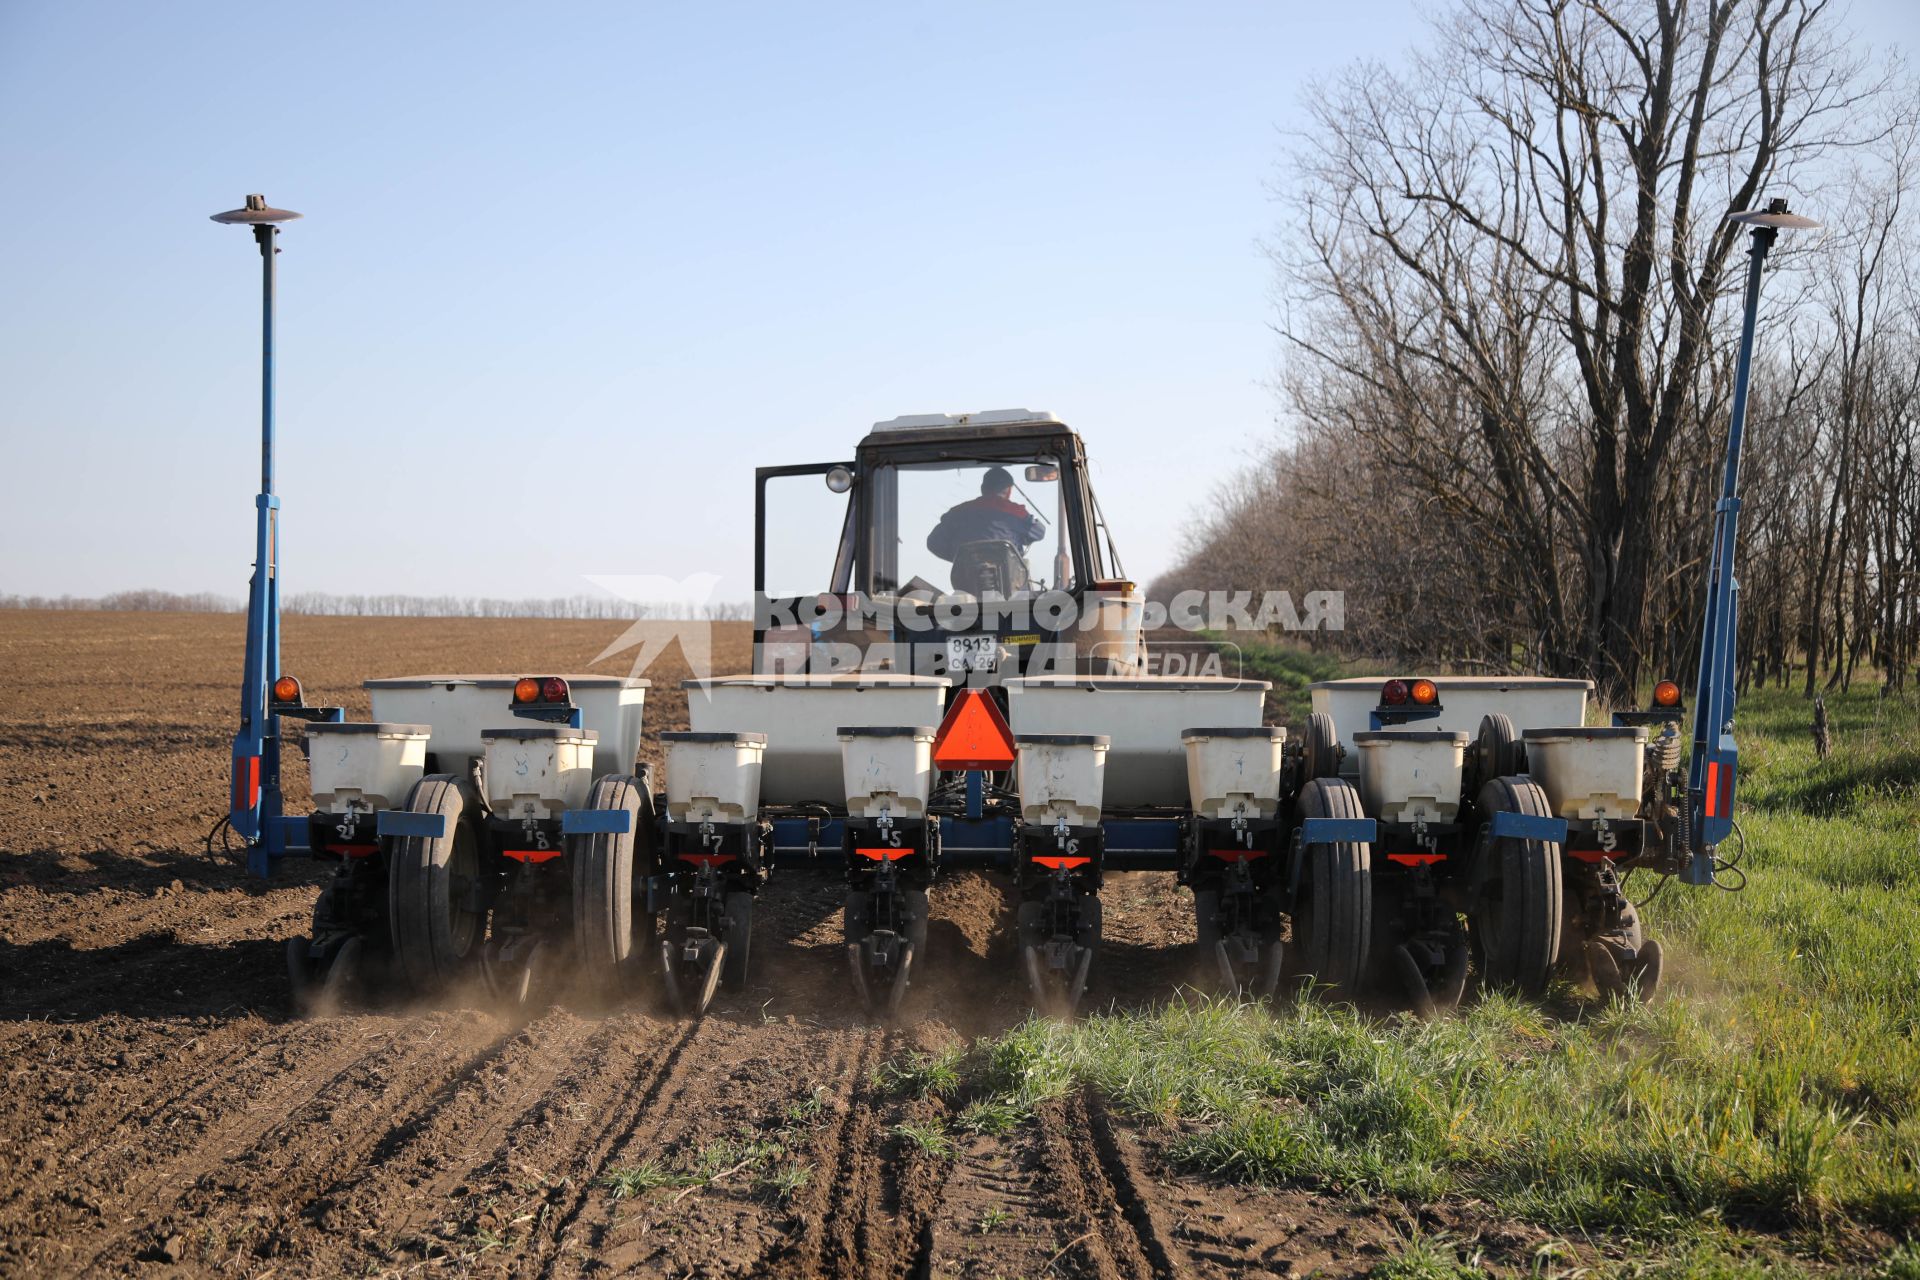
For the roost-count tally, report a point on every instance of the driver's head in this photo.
(997, 483)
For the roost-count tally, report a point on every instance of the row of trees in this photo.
(396, 606)
(593, 607)
(147, 601)
(1509, 314)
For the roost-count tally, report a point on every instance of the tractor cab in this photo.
(969, 546)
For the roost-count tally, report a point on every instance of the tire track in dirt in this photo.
(419, 1166)
(159, 1103)
(840, 1231)
(920, 1184)
(343, 1096)
(1121, 1236)
(404, 1182)
(124, 1185)
(630, 1105)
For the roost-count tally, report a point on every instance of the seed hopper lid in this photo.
(255, 212)
(1264, 732)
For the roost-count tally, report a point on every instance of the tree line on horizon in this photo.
(327, 604)
(1509, 312)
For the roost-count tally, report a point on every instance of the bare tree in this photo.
(1512, 253)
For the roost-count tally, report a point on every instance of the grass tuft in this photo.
(921, 1075)
(928, 1137)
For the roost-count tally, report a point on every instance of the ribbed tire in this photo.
(1206, 930)
(436, 931)
(1499, 751)
(612, 934)
(1516, 917)
(1333, 918)
(739, 941)
(1323, 747)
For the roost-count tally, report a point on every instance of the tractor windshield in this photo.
(981, 526)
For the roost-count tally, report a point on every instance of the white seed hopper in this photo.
(713, 777)
(1142, 717)
(802, 717)
(460, 708)
(366, 767)
(1531, 702)
(1589, 772)
(1409, 774)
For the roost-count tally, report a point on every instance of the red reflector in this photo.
(974, 735)
(1416, 859)
(1595, 855)
(355, 850)
(1062, 864)
(532, 855)
(1713, 788)
(708, 859)
(246, 782)
(885, 855)
(1238, 855)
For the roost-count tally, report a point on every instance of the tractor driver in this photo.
(993, 516)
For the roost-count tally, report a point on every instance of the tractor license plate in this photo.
(973, 653)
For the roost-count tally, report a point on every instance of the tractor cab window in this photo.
(805, 535)
(982, 527)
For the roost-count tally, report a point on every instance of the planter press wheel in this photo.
(343, 977)
(1323, 747)
(739, 941)
(612, 930)
(884, 997)
(1499, 751)
(1206, 930)
(1624, 963)
(435, 926)
(1333, 914)
(1516, 912)
(300, 976)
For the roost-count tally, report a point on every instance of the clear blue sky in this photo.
(569, 272)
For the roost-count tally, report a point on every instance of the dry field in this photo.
(163, 1114)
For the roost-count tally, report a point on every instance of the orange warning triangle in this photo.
(974, 735)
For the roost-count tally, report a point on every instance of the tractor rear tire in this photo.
(437, 931)
(1333, 920)
(1323, 747)
(1516, 915)
(612, 932)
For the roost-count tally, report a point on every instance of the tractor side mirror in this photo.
(1042, 471)
(839, 479)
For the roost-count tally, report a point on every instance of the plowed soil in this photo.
(163, 1112)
